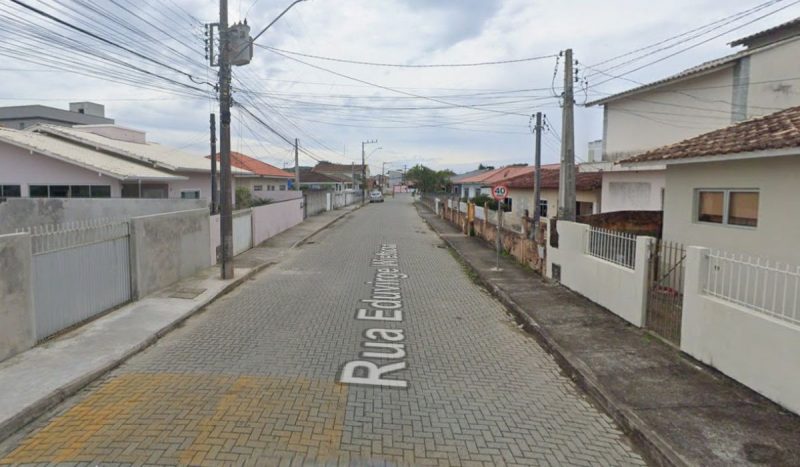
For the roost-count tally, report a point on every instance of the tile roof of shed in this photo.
(779, 130)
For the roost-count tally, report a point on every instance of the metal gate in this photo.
(665, 293)
(79, 271)
(242, 231)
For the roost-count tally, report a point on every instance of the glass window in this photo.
(190, 194)
(584, 208)
(101, 191)
(80, 191)
(710, 206)
(543, 208)
(258, 187)
(10, 191)
(38, 191)
(59, 191)
(743, 208)
(283, 187)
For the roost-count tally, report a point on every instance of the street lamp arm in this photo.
(275, 20)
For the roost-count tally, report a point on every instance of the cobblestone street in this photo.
(255, 378)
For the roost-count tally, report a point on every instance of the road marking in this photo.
(385, 304)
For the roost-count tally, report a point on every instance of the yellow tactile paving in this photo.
(192, 419)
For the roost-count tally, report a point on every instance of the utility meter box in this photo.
(240, 43)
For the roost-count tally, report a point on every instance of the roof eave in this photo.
(791, 151)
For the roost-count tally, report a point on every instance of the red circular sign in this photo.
(500, 192)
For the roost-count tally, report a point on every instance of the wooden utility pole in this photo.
(214, 198)
(537, 165)
(566, 182)
(296, 166)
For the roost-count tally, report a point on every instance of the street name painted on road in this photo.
(385, 304)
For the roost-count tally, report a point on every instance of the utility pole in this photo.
(566, 182)
(537, 164)
(214, 199)
(364, 170)
(226, 201)
(296, 166)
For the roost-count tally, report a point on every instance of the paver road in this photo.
(255, 379)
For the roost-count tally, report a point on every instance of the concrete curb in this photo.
(40, 407)
(653, 446)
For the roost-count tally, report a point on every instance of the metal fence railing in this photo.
(768, 287)
(80, 270)
(611, 245)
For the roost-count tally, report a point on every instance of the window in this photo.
(59, 191)
(101, 191)
(283, 187)
(38, 191)
(729, 207)
(258, 187)
(190, 194)
(80, 191)
(10, 191)
(542, 208)
(584, 208)
(270, 187)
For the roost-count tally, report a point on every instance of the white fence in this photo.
(610, 245)
(79, 270)
(767, 287)
(242, 231)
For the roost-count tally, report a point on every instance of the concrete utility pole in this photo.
(537, 164)
(296, 167)
(566, 182)
(364, 170)
(226, 195)
(214, 199)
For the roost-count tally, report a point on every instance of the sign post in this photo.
(500, 193)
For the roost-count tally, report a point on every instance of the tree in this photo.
(428, 180)
(485, 167)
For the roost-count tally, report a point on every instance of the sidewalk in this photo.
(678, 411)
(38, 379)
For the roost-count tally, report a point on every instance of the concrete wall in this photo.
(272, 219)
(17, 326)
(633, 190)
(668, 115)
(316, 202)
(750, 347)
(214, 238)
(778, 228)
(21, 167)
(621, 290)
(21, 212)
(774, 65)
(522, 199)
(196, 181)
(167, 248)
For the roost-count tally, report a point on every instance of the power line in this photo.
(402, 65)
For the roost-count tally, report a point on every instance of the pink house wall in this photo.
(21, 167)
(272, 219)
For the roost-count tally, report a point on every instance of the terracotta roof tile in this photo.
(324, 167)
(549, 179)
(244, 162)
(775, 131)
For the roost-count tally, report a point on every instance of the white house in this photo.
(762, 78)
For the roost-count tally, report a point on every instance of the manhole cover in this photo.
(186, 293)
(759, 453)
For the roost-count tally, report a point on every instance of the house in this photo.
(521, 190)
(396, 177)
(36, 165)
(752, 82)
(261, 179)
(734, 189)
(310, 180)
(482, 183)
(457, 183)
(20, 117)
(351, 172)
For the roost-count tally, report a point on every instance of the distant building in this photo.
(352, 172)
(20, 117)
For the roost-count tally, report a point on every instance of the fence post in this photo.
(133, 257)
(695, 276)
(18, 320)
(644, 246)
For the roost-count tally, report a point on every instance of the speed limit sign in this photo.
(500, 192)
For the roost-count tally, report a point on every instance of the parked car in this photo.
(376, 197)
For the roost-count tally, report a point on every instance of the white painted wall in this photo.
(774, 65)
(669, 114)
(776, 178)
(195, 181)
(632, 190)
(21, 167)
(753, 348)
(621, 290)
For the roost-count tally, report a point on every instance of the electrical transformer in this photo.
(240, 43)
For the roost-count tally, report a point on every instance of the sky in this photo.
(442, 117)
